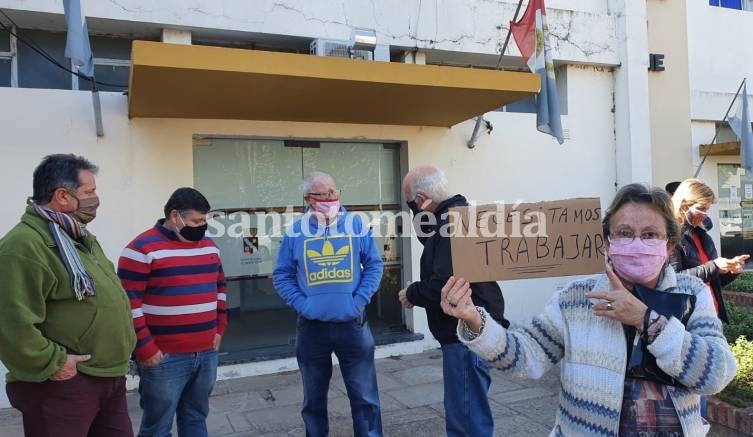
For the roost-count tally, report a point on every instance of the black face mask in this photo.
(413, 207)
(193, 233)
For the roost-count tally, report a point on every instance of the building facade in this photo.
(197, 113)
(706, 58)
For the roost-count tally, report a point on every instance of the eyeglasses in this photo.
(624, 237)
(332, 194)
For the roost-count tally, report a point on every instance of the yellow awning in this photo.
(187, 81)
(731, 148)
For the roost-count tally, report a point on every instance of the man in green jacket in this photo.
(65, 322)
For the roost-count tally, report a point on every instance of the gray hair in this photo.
(430, 181)
(312, 178)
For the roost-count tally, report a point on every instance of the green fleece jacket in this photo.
(40, 319)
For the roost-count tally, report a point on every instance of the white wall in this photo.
(581, 30)
(720, 56)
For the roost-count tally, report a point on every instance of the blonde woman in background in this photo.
(695, 253)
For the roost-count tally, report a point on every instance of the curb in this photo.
(722, 413)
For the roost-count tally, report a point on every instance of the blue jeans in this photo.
(179, 385)
(466, 390)
(353, 345)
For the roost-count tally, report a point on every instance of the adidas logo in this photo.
(328, 256)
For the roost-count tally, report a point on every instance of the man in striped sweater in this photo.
(174, 280)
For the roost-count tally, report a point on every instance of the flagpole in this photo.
(472, 141)
(718, 128)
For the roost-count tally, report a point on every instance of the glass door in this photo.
(251, 183)
(735, 192)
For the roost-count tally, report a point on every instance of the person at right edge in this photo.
(465, 374)
(695, 254)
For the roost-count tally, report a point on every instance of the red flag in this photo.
(524, 30)
(532, 37)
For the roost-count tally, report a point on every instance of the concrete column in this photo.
(669, 93)
(415, 318)
(631, 103)
(176, 36)
(414, 57)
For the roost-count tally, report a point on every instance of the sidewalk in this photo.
(411, 396)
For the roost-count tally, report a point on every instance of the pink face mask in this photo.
(327, 208)
(637, 262)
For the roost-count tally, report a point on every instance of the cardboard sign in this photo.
(534, 240)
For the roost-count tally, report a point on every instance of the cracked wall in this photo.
(582, 31)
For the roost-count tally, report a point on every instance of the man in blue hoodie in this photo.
(327, 270)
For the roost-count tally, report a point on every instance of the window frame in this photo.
(108, 62)
(13, 56)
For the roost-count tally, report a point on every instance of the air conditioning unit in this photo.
(330, 47)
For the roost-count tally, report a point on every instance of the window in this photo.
(746, 5)
(112, 64)
(107, 71)
(8, 76)
(34, 71)
(735, 201)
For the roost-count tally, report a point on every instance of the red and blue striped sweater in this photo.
(177, 292)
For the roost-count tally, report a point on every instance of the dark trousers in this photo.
(353, 345)
(83, 406)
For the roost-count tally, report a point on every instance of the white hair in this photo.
(431, 182)
(312, 178)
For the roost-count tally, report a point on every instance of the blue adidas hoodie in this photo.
(325, 273)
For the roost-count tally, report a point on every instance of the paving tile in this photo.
(275, 419)
(262, 382)
(218, 425)
(240, 423)
(541, 410)
(511, 397)
(418, 395)
(438, 407)
(410, 415)
(420, 375)
(385, 381)
(518, 425)
(502, 384)
(238, 402)
(499, 409)
(429, 427)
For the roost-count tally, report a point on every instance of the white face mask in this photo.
(694, 212)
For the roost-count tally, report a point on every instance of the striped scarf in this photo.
(65, 229)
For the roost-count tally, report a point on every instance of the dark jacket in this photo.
(686, 259)
(436, 269)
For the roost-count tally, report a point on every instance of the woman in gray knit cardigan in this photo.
(592, 325)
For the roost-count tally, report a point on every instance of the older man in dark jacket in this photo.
(466, 375)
